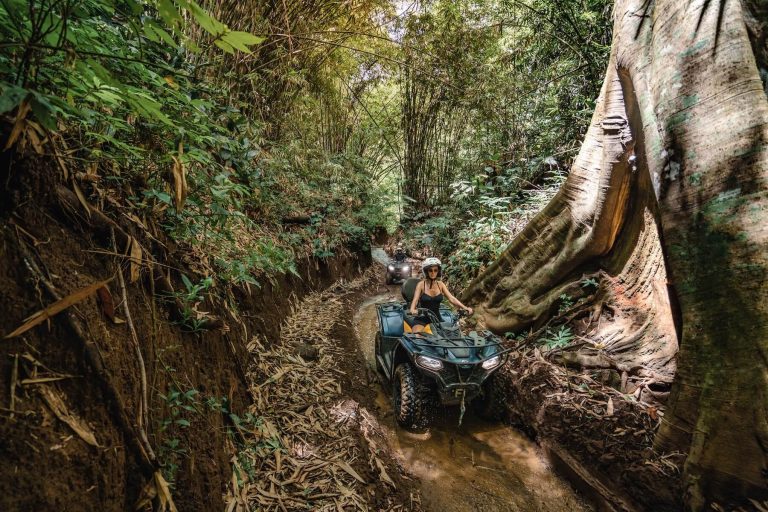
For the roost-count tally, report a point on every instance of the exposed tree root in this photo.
(604, 435)
(144, 400)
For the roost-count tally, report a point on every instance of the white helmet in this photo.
(431, 262)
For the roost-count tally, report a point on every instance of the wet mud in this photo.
(475, 466)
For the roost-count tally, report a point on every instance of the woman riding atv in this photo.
(429, 294)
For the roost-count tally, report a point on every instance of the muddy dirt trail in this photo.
(475, 466)
(342, 448)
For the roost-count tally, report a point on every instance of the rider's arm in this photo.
(456, 302)
(416, 297)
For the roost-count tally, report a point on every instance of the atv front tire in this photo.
(410, 397)
(490, 405)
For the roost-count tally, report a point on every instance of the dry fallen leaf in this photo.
(81, 197)
(61, 163)
(56, 403)
(179, 181)
(107, 304)
(34, 139)
(609, 407)
(56, 307)
(346, 467)
(383, 473)
(19, 124)
(41, 380)
(136, 255)
(157, 488)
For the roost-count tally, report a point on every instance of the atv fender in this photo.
(401, 356)
(391, 322)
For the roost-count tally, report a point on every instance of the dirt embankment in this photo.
(70, 399)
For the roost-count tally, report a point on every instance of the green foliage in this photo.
(264, 257)
(124, 84)
(474, 114)
(559, 338)
(179, 405)
(565, 303)
(490, 135)
(190, 298)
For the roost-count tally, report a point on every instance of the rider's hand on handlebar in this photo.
(469, 311)
(413, 312)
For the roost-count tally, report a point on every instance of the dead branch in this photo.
(144, 416)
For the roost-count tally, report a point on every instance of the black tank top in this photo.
(431, 303)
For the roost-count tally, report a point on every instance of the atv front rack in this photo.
(446, 346)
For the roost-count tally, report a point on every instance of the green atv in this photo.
(439, 364)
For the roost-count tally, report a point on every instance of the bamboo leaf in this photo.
(241, 40)
(19, 124)
(168, 13)
(59, 408)
(11, 97)
(179, 177)
(107, 303)
(81, 197)
(224, 46)
(346, 467)
(205, 20)
(157, 488)
(56, 308)
(136, 257)
(44, 111)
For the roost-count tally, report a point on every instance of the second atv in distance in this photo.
(398, 268)
(438, 365)
(397, 271)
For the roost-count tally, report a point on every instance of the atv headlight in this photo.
(491, 363)
(430, 363)
(391, 267)
(406, 269)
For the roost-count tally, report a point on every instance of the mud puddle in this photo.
(478, 466)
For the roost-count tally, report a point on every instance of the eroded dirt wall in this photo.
(195, 379)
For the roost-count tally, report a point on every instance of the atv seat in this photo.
(409, 289)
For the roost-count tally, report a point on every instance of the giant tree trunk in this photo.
(671, 179)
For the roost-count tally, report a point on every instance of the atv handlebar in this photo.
(423, 312)
(461, 313)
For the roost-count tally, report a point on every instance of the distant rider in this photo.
(429, 294)
(399, 254)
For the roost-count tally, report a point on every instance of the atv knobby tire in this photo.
(490, 405)
(410, 397)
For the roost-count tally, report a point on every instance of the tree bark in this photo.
(671, 179)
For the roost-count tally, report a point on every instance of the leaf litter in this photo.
(310, 447)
